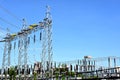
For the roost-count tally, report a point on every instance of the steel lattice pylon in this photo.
(6, 55)
(22, 36)
(46, 57)
(22, 47)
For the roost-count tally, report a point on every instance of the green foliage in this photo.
(12, 73)
(47, 75)
(35, 76)
(56, 75)
(57, 69)
(64, 65)
(80, 75)
(63, 77)
(72, 74)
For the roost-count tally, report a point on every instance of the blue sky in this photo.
(80, 27)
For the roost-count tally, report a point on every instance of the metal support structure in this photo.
(47, 43)
(49, 35)
(22, 46)
(20, 54)
(25, 47)
(109, 61)
(22, 37)
(114, 62)
(6, 55)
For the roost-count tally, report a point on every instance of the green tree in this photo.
(35, 76)
(12, 73)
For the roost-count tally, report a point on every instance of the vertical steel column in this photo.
(114, 62)
(94, 65)
(109, 65)
(20, 54)
(49, 35)
(6, 55)
(22, 46)
(25, 39)
(43, 55)
(47, 43)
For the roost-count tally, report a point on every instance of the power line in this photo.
(8, 22)
(10, 13)
(4, 30)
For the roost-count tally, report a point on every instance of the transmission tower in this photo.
(22, 36)
(46, 57)
(6, 54)
(22, 47)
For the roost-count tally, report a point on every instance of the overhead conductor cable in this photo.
(8, 22)
(10, 13)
